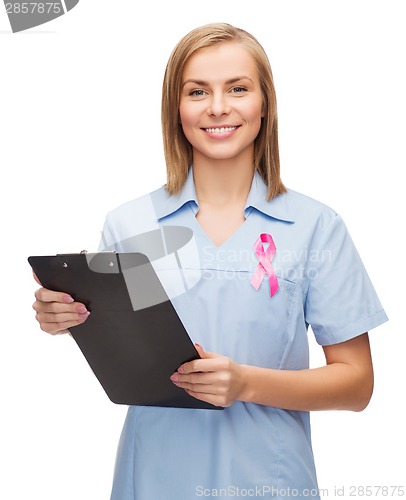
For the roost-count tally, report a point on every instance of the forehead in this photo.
(222, 61)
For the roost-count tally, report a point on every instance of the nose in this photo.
(218, 105)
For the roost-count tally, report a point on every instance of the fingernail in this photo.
(180, 370)
(174, 378)
(68, 299)
(81, 309)
(83, 317)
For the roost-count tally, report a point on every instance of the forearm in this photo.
(345, 383)
(337, 386)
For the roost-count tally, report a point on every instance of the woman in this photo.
(272, 262)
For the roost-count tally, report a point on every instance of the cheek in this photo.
(186, 115)
(259, 116)
(255, 112)
(253, 116)
(189, 120)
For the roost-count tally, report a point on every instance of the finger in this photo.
(201, 365)
(196, 365)
(194, 379)
(195, 387)
(198, 388)
(205, 354)
(44, 317)
(209, 398)
(45, 295)
(56, 328)
(58, 307)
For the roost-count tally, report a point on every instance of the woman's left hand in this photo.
(214, 378)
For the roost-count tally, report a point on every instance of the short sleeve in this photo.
(341, 302)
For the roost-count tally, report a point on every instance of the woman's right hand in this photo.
(57, 311)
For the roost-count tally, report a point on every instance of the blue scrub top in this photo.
(246, 449)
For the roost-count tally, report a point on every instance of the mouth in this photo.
(221, 130)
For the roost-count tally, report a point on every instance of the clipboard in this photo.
(133, 339)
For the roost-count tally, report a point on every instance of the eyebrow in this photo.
(228, 82)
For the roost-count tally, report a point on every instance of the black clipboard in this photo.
(132, 347)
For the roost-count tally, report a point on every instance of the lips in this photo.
(220, 130)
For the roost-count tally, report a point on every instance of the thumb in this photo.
(204, 354)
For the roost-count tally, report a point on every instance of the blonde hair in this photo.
(177, 149)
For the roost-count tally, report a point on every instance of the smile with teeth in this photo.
(220, 130)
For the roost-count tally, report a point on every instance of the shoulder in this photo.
(298, 201)
(136, 216)
(310, 221)
(144, 205)
(304, 209)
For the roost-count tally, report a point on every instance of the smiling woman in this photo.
(270, 263)
(221, 112)
(178, 150)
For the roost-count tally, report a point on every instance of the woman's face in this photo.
(221, 102)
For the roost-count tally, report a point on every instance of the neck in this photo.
(220, 182)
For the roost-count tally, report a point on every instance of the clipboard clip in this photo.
(99, 262)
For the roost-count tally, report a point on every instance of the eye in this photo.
(196, 93)
(238, 90)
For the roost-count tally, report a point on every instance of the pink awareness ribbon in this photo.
(265, 258)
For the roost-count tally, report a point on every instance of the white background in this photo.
(80, 133)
